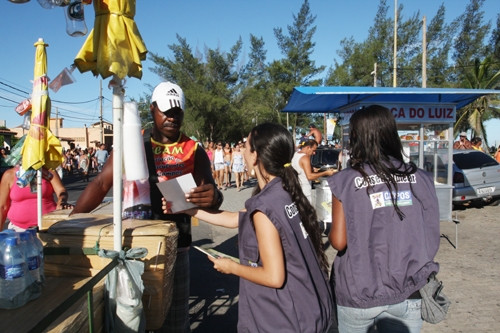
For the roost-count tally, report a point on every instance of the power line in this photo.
(11, 87)
(84, 102)
(53, 100)
(7, 99)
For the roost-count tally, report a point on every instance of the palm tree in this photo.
(473, 116)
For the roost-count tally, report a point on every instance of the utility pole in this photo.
(325, 128)
(424, 53)
(100, 102)
(395, 59)
(374, 73)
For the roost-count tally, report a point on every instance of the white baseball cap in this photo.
(168, 95)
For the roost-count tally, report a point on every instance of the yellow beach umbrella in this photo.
(114, 46)
(41, 147)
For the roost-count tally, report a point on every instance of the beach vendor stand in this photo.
(114, 48)
(424, 116)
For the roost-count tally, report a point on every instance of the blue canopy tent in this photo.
(333, 99)
(430, 112)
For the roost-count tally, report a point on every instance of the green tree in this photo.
(254, 100)
(439, 45)
(495, 43)
(473, 116)
(358, 58)
(469, 43)
(296, 68)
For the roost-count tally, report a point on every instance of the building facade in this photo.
(84, 137)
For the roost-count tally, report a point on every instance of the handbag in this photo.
(435, 304)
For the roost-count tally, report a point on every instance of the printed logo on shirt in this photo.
(383, 199)
(359, 182)
(291, 210)
(252, 263)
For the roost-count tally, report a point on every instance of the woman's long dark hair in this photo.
(374, 140)
(275, 148)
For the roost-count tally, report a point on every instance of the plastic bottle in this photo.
(126, 290)
(75, 19)
(25, 177)
(14, 272)
(49, 4)
(39, 247)
(15, 153)
(3, 282)
(31, 256)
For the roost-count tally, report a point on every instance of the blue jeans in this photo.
(404, 317)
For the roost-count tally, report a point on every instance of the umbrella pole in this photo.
(117, 161)
(39, 197)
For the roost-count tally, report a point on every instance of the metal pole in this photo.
(325, 131)
(117, 162)
(39, 197)
(100, 102)
(395, 58)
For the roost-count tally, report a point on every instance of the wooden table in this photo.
(62, 306)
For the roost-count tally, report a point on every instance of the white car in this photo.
(476, 177)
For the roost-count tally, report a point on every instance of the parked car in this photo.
(476, 177)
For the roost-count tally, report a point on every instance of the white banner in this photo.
(411, 113)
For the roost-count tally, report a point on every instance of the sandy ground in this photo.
(469, 269)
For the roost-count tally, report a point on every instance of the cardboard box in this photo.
(71, 244)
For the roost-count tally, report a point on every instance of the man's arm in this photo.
(305, 164)
(93, 194)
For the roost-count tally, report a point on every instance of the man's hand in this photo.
(203, 196)
(330, 172)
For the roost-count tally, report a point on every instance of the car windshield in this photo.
(325, 157)
(473, 160)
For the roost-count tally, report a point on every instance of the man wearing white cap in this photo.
(462, 143)
(169, 154)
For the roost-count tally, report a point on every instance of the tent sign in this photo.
(411, 113)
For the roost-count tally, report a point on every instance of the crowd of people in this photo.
(78, 161)
(476, 143)
(226, 160)
(385, 220)
(18, 201)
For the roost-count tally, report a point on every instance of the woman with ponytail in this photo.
(283, 268)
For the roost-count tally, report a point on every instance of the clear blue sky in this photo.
(204, 23)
